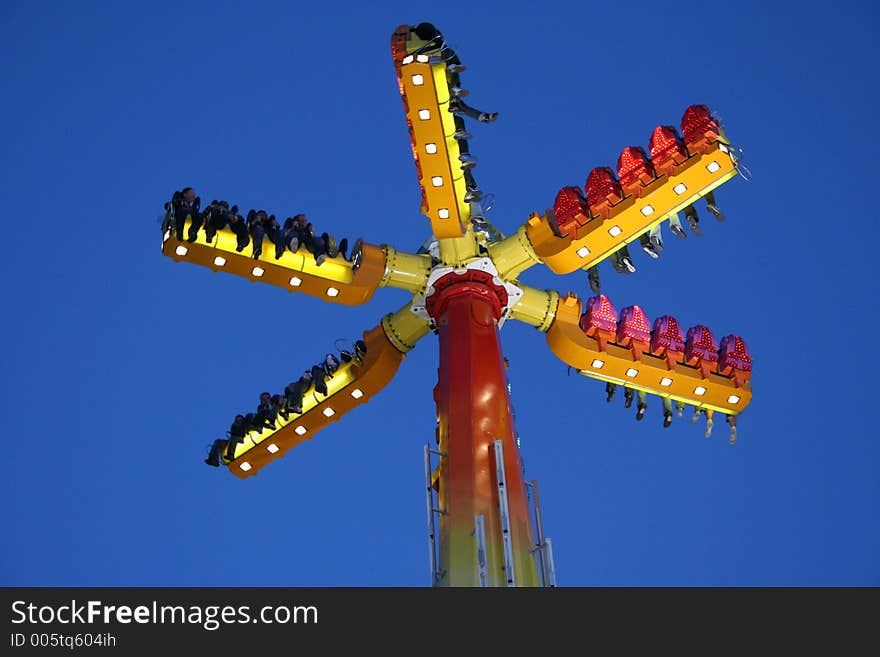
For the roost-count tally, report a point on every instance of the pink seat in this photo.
(633, 326)
(699, 346)
(600, 316)
(666, 336)
(734, 355)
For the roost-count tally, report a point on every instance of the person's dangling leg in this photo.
(239, 227)
(231, 444)
(690, 215)
(180, 217)
(676, 227)
(330, 246)
(316, 246)
(214, 455)
(610, 389)
(712, 207)
(731, 420)
(256, 231)
(195, 221)
(667, 412)
(709, 421)
(593, 278)
(318, 378)
(655, 236)
(647, 246)
(211, 219)
(360, 349)
(642, 404)
(625, 260)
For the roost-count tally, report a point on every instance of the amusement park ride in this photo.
(467, 286)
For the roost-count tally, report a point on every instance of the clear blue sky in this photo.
(121, 366)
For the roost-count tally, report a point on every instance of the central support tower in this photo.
(474, 412)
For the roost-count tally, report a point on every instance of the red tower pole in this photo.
(474, 411)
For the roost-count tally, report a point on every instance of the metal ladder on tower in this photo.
(543, 549)
(506, 542)
(436, 574)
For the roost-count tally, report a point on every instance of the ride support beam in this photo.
(405, 271)
(536, 307)
(514, 254)
(456, 251)
(404, 328)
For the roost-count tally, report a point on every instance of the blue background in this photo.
(121, 366)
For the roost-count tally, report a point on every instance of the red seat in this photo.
(699, 346)
(570, 210)
(734, 355)
(667, 149)
(603, 191)
(633, 326)
(666, 336)
(600, 316)
(398, 43)
(699, 128)
(634, 169)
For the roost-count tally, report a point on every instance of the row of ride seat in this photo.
(636, 171)
(632, 329)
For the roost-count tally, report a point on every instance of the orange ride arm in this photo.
(425, 93)
(636, 368)
(598, 238)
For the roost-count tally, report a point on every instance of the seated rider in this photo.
(319, 379)
(215, 218)
(330, 364)
(256, 230)
(185, 204)
(259, 224)
(214, 455)
(236, 434)
(332, 248)
(298, 231)
(218, 216)
(265, 417)
(239, 226)
(296, 390)
(279, 405)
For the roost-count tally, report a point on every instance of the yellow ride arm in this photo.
(334, 281)
(351, 385)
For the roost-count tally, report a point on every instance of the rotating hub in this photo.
(478, 278)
